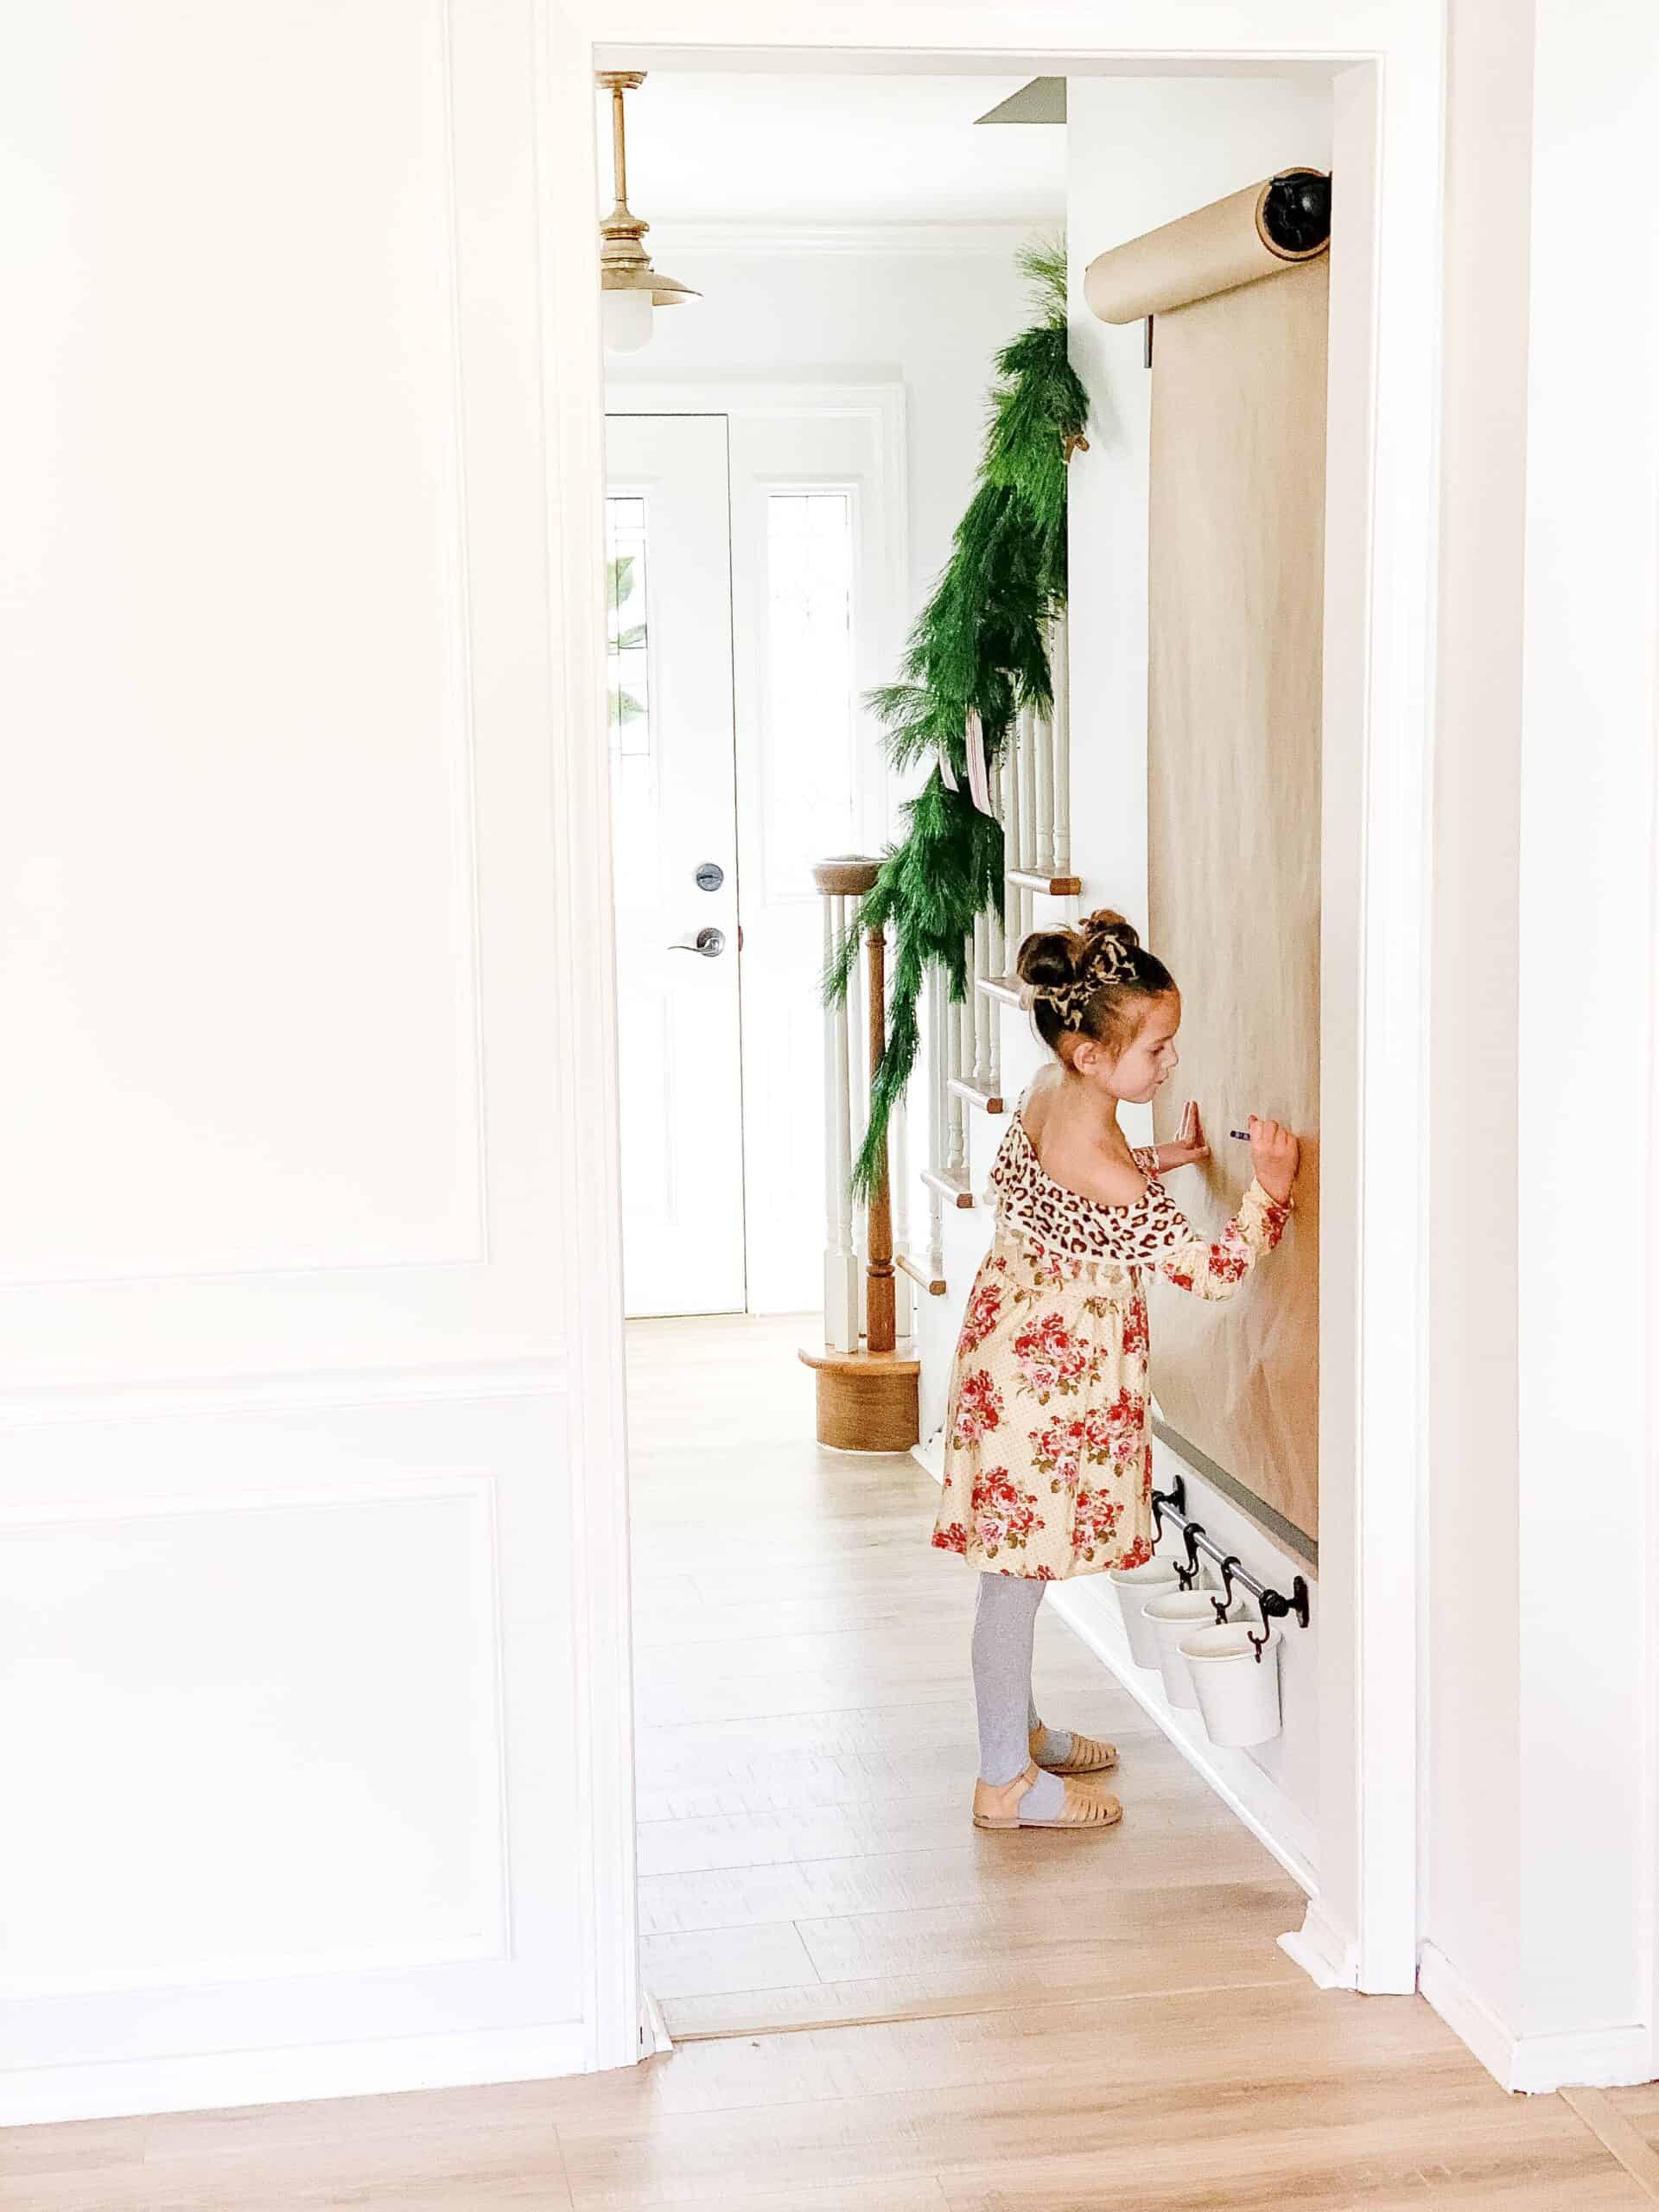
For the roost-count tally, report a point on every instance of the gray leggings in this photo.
(1005, 1627)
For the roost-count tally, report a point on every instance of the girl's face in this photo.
(1146, 1063)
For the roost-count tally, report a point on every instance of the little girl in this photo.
(1048, 1438)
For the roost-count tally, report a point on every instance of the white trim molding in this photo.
(299, 1389)
(882, 405)
(291, 2073)
(584, 1019)
(1386, 61)
(857, 241)
(1600, 2058)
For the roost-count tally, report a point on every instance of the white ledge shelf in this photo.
(1050, 887)
(955, 1190)
(987, 1096)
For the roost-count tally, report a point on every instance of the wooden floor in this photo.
(880, 2009)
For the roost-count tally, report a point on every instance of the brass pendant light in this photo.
(631, 286)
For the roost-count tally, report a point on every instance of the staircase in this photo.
(867, 1371)
(977, 1057)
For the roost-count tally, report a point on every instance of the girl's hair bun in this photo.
(1086, 981)
(1104, 922)
(1052, 957)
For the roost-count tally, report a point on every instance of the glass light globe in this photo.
(627, 319)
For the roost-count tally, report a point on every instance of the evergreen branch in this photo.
(979, 646)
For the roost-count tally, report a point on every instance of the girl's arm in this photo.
(1190, 1146)
(1209, 1270)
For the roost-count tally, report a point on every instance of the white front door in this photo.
(818, 586)
(675, 838)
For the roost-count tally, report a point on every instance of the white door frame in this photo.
(1386, 56)
(883, 600)
(634, 391)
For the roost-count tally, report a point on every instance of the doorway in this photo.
(755, 552)
(1382, 507)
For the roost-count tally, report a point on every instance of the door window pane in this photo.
(629, 668)
(811, 706)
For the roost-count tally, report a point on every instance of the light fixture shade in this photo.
(625, 318)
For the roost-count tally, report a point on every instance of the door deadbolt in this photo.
(709, 876)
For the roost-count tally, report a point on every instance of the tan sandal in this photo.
(997, 1805)
(1086, 1756)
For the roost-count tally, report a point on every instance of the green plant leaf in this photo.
(979, 646)
(629, 640)
(619, 580)
(625, 707)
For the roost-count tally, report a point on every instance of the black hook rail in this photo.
(1273, 1603)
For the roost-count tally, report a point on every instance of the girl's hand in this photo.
(1276, 1155)
(1190, 1145)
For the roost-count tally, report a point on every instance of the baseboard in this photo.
(1325, 1956)
(129, 2088)
(1088, 1607)
(654, 2038)
(930, 1455)
(1598, 2059)
(1594, 2058)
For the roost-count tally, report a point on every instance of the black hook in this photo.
(1223, 1605)
(1276, 1608)
(1174, 1498)
(1187, 1576)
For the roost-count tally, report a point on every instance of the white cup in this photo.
(1135, 1585)
(1237, 1693)
(1174, 1615)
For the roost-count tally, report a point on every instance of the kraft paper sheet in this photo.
(1236, 556)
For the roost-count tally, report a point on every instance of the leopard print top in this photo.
(1040, 1212)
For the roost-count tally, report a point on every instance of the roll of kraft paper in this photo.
(1238, 240)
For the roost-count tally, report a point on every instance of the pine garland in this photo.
(980, 643)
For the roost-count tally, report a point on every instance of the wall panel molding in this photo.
(298, 1390)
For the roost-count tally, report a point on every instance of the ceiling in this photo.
(770, 150)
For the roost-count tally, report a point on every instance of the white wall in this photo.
(932, 322)
(290, 1665)
(1543, 1710)
(1141, 153)
(1470, 1836)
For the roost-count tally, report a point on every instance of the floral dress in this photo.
(1048, 1438)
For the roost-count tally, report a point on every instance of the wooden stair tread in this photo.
(921, 1274)
(1050, 886)
(988, 1096)
(902, 1362)
(1007, 990)
(953, 1189)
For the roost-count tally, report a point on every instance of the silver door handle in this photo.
(710, 942)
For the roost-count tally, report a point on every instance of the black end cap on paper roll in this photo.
(1296, 211)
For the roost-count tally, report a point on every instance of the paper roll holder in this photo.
(1272, 1604)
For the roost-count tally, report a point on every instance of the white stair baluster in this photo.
(955, 1148)
(980, 1008)
(858, 1094)
(1011, 842)
(1060, 661)
(904, 1289)
(1028, 796)
(936, 1098)
(839, 1261)
(1042, 743)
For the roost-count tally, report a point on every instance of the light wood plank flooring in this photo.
(887, 2011)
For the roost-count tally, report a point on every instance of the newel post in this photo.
(866, 1383)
